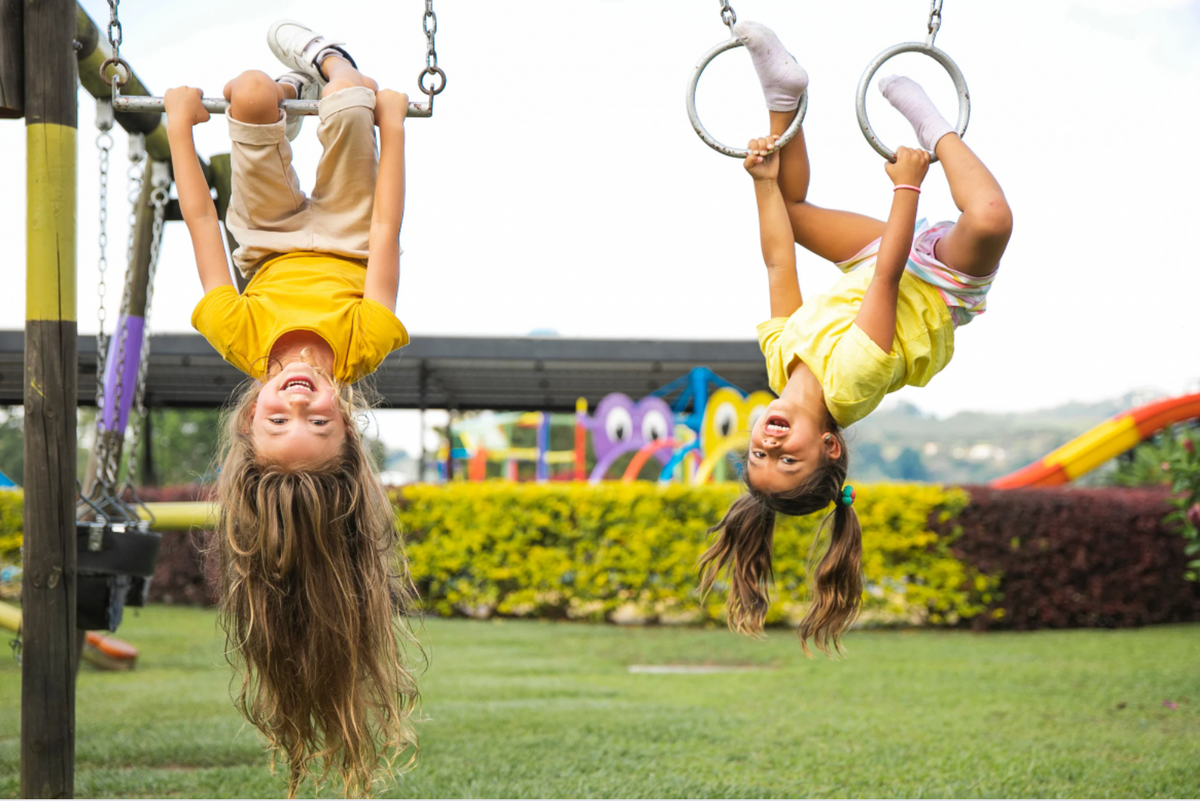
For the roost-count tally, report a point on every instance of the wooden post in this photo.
(12, 59)
(51, 388)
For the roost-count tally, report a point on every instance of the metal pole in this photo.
(12, 59)
(422, 384)
(51, 390)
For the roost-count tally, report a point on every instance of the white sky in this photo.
(560, 186)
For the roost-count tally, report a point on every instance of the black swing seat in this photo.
(115, 562)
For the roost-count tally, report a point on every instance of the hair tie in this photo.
(848, 495)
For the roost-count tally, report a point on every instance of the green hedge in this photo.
(11, 524)
(627, 552)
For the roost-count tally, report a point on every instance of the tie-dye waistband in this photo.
(965, 295)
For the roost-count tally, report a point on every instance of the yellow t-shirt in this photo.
(854, 372)
(301, 292)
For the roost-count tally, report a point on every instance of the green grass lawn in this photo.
(545, 709)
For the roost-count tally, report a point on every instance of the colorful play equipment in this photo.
(488, 438)
(1107, 440)
(689, 426)
(106, 653)
(621, 425)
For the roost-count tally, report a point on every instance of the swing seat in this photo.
(117, 548)
(115, 562)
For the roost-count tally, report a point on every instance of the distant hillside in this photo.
(905, 443)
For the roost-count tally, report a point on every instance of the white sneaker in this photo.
(298, 47)
(306, 89)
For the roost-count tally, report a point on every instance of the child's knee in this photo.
(255, 97)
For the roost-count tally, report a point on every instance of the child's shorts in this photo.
(268, 212)
(965, 295)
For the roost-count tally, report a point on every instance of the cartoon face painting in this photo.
(727, 414)
(621, 425)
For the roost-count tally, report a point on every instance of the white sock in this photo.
(783, 79)
(910, 100)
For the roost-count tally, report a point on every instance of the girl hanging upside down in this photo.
(311, 572)
(888, 322)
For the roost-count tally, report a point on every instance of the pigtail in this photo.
(837, 583)
(745, 538)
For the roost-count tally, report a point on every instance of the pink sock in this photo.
(910, 100)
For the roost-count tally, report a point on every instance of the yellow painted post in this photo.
(51, 389)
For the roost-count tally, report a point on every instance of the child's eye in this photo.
(278, 420)
(788, 460)
(759, 454)
(319, 422)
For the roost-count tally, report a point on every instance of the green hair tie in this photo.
(848, 495)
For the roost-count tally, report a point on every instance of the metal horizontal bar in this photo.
(219, 105)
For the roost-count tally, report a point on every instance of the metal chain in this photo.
(160, 177)
(104, 143)
(935, 21)
(432, 70)
(728, 15)
(116, 35)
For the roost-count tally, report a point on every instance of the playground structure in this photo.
(1106, 441)
(690, 437)
(87, 555)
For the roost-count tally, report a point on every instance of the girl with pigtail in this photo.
(889, 322)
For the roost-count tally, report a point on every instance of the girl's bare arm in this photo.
(195, 201)
(775, 229)
(383, 263)
(877, 314)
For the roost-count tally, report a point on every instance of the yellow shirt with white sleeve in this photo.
(854, 372)
(314, 292)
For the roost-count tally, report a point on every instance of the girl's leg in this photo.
(830, 233)
(254, 98)
(267, 210)
(343, 195)
(834, 235)
(977, 241)
(343, 75)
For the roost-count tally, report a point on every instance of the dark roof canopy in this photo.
(512, 373)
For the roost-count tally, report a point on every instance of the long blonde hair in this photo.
(314, 595)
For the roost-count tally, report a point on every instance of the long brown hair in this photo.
(314, 593)
(745, 541)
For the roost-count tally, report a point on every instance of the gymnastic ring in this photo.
(960, 86)
(699, 126)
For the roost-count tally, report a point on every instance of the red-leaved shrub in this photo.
(1076, 557)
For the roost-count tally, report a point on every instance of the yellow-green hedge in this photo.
(11, 522)
(628, 552)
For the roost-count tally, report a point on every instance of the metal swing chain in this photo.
(104, 143)
(728, 16)
(935, 21)
(116, 35)
(160, 177)
(432, 70)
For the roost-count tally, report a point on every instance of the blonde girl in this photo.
(311, 572)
